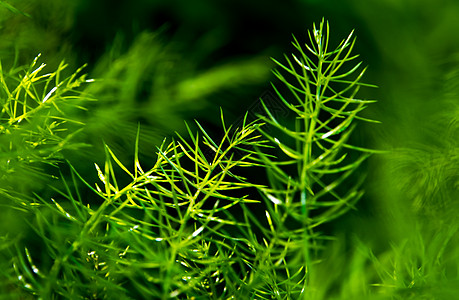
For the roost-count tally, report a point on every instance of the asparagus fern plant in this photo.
(189, 224)
(34, 124)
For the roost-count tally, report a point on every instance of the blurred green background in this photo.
(159, 63)
(216, 53)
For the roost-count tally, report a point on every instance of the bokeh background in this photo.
(160, 63)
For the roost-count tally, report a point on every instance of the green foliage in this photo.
(322, 98)
(315, 157)
(12, 8)
(35, 126)
(153, 83)
(239, 217)
(422, 260)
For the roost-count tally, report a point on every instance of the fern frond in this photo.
(35, 116)
(311, 178)
(319, 88)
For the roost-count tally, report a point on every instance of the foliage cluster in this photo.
(190, 221)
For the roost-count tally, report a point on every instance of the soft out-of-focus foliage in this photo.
(159, 90)
(45, 29)
(157, 63)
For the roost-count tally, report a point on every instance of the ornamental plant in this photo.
(242, 216)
